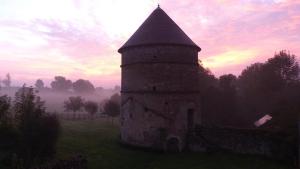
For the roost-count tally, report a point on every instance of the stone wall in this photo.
(159, 88)
(243, 141)
(149, 120)
(160, 68)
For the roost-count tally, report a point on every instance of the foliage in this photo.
(83, 86)
(262, 88)
(61, 84)
(38, 130)
(116, 98)
(7, 81)
(111, 107)
(39, 84)
(74, 104)
(266, 87)
(30, 137)
(8, 133)
(4, 107)
(206, 78)
(91, 107)
(210, 98)
(281, 70)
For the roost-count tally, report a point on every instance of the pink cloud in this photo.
(232, 35)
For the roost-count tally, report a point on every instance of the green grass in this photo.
(98, 141)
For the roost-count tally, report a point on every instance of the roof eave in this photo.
(158, 44)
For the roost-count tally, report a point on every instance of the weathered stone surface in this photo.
(159, 87)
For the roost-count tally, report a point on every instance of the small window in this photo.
(154, 57)
(146, 109)
(130, 115)
(166, 103)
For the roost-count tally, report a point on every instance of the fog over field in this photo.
(54, 101)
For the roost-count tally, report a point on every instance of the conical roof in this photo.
(159, 29)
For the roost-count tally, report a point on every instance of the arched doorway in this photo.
(190, 119)
(173, 145)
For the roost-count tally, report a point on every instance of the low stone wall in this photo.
(243, 141)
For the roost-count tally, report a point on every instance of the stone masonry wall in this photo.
(148, 120)
(243, 141)
(159, 86)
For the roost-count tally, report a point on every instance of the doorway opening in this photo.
(190, 119)
(173, 145)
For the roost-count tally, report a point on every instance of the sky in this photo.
(40, 39)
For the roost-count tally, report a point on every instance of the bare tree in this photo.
(7, 80)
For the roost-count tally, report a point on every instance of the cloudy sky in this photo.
(80, 38)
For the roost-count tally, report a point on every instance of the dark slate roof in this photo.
(159, 29)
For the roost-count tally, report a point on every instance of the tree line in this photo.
(272, 88)
(61, 84)
(109, 107)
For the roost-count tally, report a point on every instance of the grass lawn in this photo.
(98, 141)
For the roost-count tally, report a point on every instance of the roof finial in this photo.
(158, 5)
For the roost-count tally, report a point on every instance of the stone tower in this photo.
(159, 87)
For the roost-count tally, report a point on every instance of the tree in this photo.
(253, 93)
(91, 107)
(206, 78)
(61, 84)
(39, 84)
(280, 71)
(38, 130)
(263, 86)
(250, 79)
(112, 109)
(227, 82)
(74, 104)
(4, 108)
(8, 134)
(7, 81)
(228, 100)
(116, 98)
(83, 86)
(209, 95)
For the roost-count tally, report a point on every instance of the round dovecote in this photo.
(159, 84)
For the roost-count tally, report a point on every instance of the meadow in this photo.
(98, 139)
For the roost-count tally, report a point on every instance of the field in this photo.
(98, 141)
